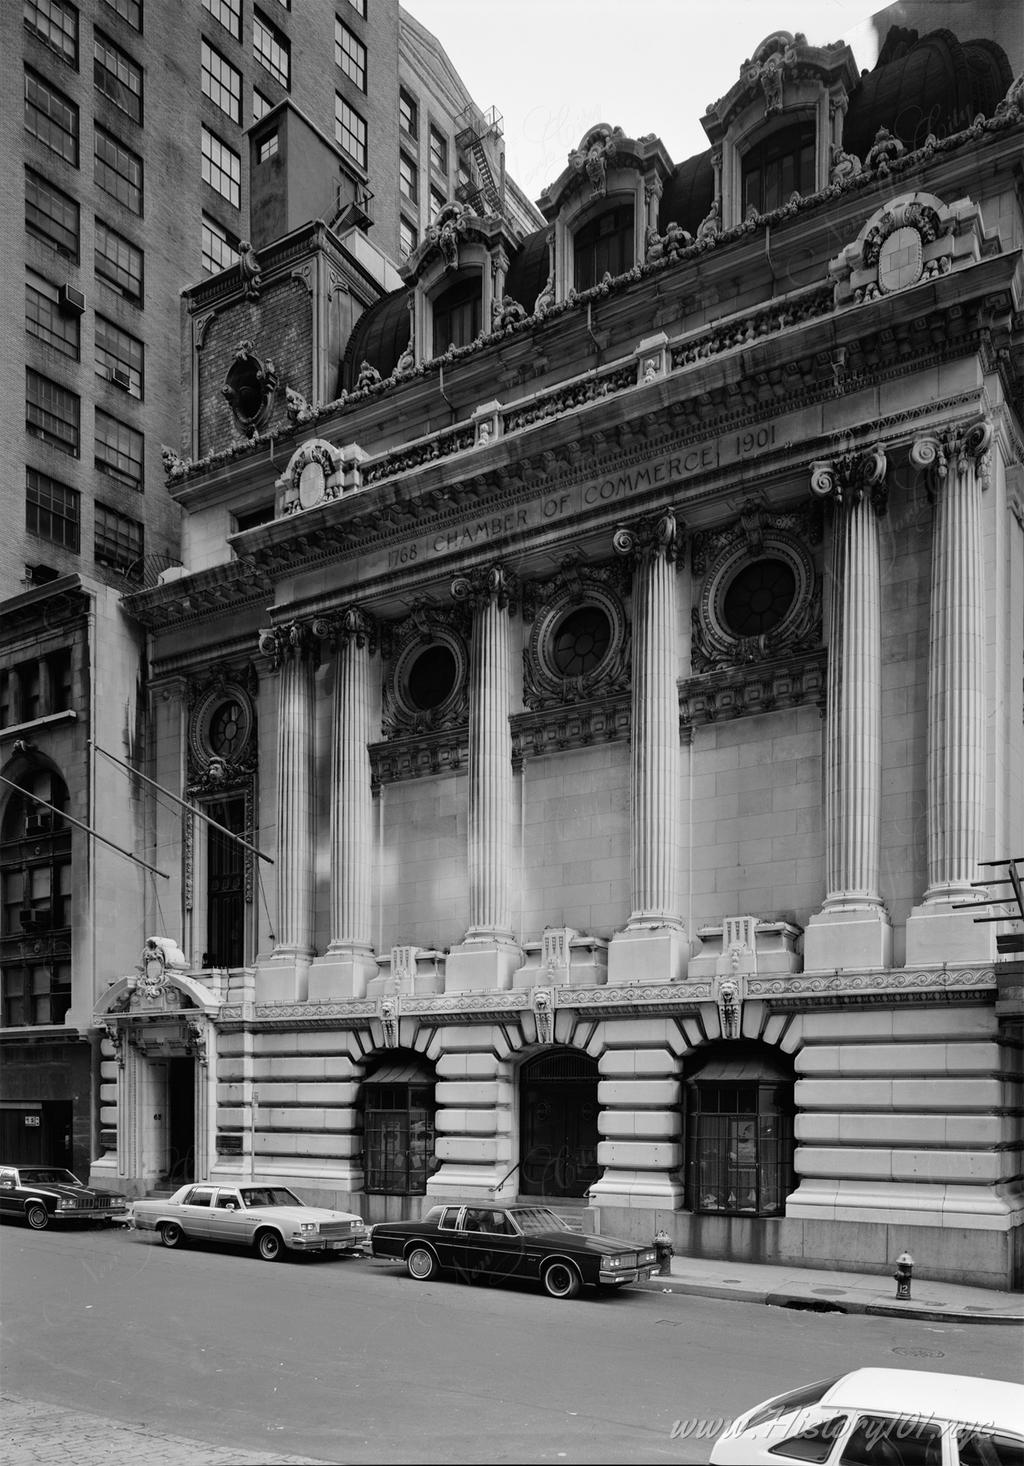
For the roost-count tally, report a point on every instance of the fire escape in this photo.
(474, 130)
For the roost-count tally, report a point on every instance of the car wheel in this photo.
(37, 1216)
(269, 1246)
(561, 1280)
(421, 1264)
(171, 1235)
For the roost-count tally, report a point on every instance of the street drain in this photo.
(803, 1305)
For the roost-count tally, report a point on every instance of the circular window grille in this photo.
(431, 678)
(222, 724)
(759, 597)
(227, 729)
(580, 640)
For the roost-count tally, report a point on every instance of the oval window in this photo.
(580, 641)
(432, 678)
(759, 597)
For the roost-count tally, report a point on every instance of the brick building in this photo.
(126, 168)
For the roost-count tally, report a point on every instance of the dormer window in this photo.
(781, 164)
(604, 246)
(457, 314)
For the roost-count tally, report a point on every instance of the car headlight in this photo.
(649, 1257)
(613, 1262)
(309, 1226)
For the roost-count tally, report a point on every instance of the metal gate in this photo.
(558, 1124)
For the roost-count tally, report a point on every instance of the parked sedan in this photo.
(519, 1241)
(46, 1194)
(883, 1417)
(270, 1219)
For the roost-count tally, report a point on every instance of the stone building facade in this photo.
(618, 700)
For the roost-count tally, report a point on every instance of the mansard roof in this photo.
(933, 84)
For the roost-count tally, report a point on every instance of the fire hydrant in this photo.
(663, 1247)
(903, 1274)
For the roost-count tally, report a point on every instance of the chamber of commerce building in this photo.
(606, 650)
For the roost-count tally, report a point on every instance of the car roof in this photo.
(925, 1392)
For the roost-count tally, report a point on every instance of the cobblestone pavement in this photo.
(37, 1434)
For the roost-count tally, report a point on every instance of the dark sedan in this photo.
(520, 1241)
(46, 1194)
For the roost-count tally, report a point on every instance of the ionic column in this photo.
(349, 963)
(290, 649)
(652, 946)
(853, 928)
(488, 956)
(955, 462)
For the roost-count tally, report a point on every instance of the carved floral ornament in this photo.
(963, 447)
(905, 243)
(221, 731)
(426, 685)
(496, 584)
(249, 389)
(579, 640)
(311, 477)
(590, 160)
(645, 539)
(847, 478)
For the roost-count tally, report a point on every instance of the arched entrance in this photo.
(558, 1124)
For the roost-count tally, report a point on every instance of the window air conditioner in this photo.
(120, 377)
(70, 302)
(38, 824)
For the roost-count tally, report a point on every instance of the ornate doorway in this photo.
(558, 1124)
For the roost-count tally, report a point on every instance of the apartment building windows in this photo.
(52, 510)
(437, 203)
(222, 168)
(407, 237)
(229, 13)
(118, 541)
(129, 10)
(118, 263)
(36, 688)
(350, 54)
(118, 171)
(35, 904)
(44, 321)
(222, 83)
(117, 76)
(119, 357)
(52, 413)
(119, 451)
(56, 23)
(408, 178)
(350, 130)
(359, 6)
(271, 48)
(220, 249)
(261, 105)
(51, 117)
(408, 115)
(438, 151)
(51, 215)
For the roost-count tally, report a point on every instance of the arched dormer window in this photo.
(779, 165)
(604, 246)
(457, 313)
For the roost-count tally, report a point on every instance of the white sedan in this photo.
(882, 1417)
(270, 1219)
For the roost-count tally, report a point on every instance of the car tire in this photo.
(561, 1280)
(37, 1216)
(421, 1264)
(269, 1247)
(171, 1235)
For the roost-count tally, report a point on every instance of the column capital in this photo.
(350, 625)
(846, 479)
(497, 584)
(285, 643)
(964, 445)
(643, 540)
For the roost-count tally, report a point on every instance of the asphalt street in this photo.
(342, 1360)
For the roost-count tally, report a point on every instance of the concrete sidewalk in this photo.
(837, 1292)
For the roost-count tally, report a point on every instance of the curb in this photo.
(802, 1302)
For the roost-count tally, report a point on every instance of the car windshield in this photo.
(269, 1196)
(537, 1219)
(53, 1174)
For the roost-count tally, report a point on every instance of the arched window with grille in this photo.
(739, 1130)
(35, 904)
(398, 1126)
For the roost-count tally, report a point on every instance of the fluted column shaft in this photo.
(351, 792)
(295, 774)
(853, 789)
(654, 752)
(956, 463)
(490, 758)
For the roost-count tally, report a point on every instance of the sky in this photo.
(555, 68)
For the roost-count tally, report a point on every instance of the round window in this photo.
(580, 641)
(759, 597)
(432, 678)
(227, 729)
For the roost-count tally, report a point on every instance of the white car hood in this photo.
(295, 1215)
